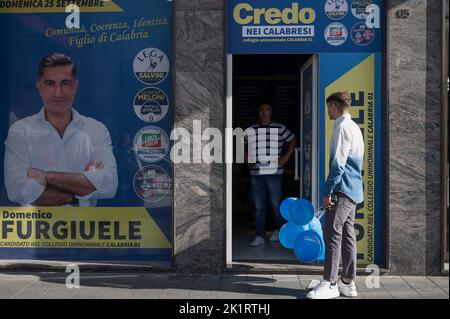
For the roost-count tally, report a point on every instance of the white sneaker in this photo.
(315, 282)
(274, 237)
(324, 291)
(258, 241)
(347, 290)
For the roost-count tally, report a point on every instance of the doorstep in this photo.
(284, 268)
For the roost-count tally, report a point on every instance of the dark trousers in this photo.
(340, 239)
(263, 185)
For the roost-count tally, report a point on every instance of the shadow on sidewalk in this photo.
(234, 285)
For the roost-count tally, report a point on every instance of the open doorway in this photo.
(287, 82)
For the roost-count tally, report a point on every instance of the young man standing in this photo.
(342, 192)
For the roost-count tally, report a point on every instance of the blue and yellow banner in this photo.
(120, 86)
(358, 74)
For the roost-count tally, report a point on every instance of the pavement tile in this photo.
(309, 277)
(405, 294)
(117, 293)
(206, 285)
(394, 282)
(35, 290)
(288, 284)
(231, 295)
(59, 293)
(416, 279)
(432, 294)
(289, 292)
(442, 282)
(30, 293)
(286, 278)
(375, 295)
(89, 293)
(11, 287)
(359, 296)
(262, 280)
(259, 296)
(207, 278)
(199, 294)
(146, 294)
(423, 285)
(286, 297)
(170, 293)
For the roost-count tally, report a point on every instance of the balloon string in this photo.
(319, 213)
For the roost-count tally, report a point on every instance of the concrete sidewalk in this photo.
(171, 285)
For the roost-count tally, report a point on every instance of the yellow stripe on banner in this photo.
(56, 6)
(357, 80)
(79, 227)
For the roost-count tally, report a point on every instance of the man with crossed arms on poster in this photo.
(58, 157)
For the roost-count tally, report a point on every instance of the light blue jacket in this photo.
(346, 160)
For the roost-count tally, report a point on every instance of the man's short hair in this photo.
(265, 103)
(341, 99)
(56, 59)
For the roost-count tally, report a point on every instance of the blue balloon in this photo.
(315, 225)
(308, 246)
(301, 212)
(284, 207)
(288, 234)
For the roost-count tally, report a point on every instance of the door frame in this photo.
(444, 139)
(229, 153)
(314, 60)
(229, 162)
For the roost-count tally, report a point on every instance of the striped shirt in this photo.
(265, 144)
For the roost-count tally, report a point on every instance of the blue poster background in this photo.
(107, 87)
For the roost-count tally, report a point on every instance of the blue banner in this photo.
(117, 137)
(304, 26)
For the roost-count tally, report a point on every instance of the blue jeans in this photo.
(261, 185)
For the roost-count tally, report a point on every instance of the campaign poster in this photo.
(359, 74)
(86, 115)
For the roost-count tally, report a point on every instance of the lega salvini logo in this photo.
(151, 66)
(336, 9)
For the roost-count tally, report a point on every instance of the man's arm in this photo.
(73, 183)
(99, 180)
(250, 164)
(20, 188)
(54, 197)
(104, 177)
(292, 145)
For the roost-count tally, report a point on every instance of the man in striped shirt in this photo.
(263, 153)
